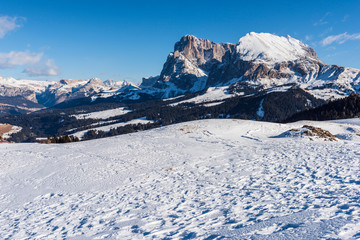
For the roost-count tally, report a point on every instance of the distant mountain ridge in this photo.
(30, 95)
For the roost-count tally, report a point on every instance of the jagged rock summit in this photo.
(259, 61)
(187, 68)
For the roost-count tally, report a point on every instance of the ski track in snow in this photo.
(209, 179)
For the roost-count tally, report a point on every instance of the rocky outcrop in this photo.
(149, 81)
(187, 68)
(258, 60)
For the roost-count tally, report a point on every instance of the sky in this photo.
(129, 40)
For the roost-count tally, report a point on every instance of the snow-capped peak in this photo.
(266, 47)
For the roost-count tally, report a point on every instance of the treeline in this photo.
(348, 107)
(93, 134)
(277, 106)
(63, 139)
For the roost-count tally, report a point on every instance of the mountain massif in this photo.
(259, 61)
(263, 77)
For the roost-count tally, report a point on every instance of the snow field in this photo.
(269, 47)
(207, 179)
(107, 128)
(212, 94)
(102, 114)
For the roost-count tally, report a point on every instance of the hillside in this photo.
(348, 107)
(94, 120)
(208, 179)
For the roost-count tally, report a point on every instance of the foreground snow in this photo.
(205, 180)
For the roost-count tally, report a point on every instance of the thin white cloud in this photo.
(13, 58)
(308, 37)
(322, 21)
(47, 68)
(8, 24)
(345, 18)
(327, 31)
(34, 65)
(340, 38)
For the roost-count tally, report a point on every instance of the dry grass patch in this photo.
(4, 128)
(312, 131)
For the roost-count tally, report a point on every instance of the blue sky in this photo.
(128, 40)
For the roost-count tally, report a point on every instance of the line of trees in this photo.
(63, 139)
(348, 107)
(93, 134)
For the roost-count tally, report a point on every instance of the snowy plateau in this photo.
(208, 179)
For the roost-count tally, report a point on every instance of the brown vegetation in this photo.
(318, 132)
(4, 128)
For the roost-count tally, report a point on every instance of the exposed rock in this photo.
(188, 66)
(258, 60)
(311, 132)
(319, 132)
(150, 81)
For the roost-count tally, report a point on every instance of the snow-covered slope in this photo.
(107, 128)
(212, 94)
(266, 47)
(208, 179)
(102, 114)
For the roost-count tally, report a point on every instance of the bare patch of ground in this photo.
(5, 128)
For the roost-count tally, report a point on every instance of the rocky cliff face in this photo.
(257, 61)
(187, 68)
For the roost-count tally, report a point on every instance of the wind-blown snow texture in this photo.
(206, 180)
(266, 46)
